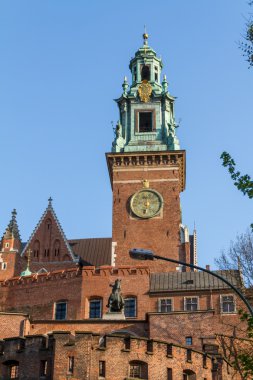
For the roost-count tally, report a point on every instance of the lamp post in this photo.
(143, 254)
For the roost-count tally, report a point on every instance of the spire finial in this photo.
(145, 36)
(50, 199)
(14, 213)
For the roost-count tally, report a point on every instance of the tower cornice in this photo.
(159, 160)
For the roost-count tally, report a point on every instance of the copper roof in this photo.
(96, 251)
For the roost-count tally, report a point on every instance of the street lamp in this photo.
(144, 254)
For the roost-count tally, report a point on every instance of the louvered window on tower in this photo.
(145, 73)
(145, 121)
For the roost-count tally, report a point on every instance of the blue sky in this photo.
(62, 64)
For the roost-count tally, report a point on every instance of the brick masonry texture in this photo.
(117, 352)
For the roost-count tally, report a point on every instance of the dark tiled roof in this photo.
(97, 251)
(177, 281)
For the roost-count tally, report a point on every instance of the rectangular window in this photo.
(95, 308)
(189, 355)
(14, 372)
(135, 74)
(61, 310)
(165, 305)
(188, 341)
(145, 121)
(169, 350)
(191, 303)
(135, 371)
(6, 245)
(71, 364)
(156, 73)
(227, 304)
(130, 307)
(43, 368)
(4, 266)
(169, 374)
(102, 368)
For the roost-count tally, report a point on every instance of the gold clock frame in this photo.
(141, 216)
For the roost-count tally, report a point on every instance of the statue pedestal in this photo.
(114, 315)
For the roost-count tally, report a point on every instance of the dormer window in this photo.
(145, 73)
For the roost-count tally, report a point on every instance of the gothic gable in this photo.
(48, 243)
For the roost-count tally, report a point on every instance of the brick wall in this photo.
(117, 353)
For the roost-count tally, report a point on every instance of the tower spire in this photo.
(11, 240)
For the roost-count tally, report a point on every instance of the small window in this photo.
(227, 304)
(43, 368)
(145, 121)
(71, 364)
(102, 368)
(61, 310)
(135, 74)
(191, 303)
(7, 245)
(156, 74)
(130, 307)
(169, 350)
(13, 372)
(165, 305)
(169, 374)
(188, 341)
(4, 266)
(204, 361)
(189, 355)
(95, 308)
(138, 370)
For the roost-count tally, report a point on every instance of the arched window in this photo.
(36, 248)
(145, 73)
(189, 375)
(48, 224)
(138, 370)
(56, 249)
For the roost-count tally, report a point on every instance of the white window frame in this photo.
(135, 306)
(4, 266)
(160, 304)
(185, 298)
(55, 306)
(221, 304)
(101, 307)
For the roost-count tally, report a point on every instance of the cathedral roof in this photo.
(178, 281)
(96, 251)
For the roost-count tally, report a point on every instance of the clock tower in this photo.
(147, 167)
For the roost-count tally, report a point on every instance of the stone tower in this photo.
(146, 166)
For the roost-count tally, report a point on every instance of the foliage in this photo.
(239, 254)
(245, 357)
(242, 182)
(247, 46)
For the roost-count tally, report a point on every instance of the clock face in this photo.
(146, 203)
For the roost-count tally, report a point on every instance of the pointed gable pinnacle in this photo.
(49, 212)
(12, 231)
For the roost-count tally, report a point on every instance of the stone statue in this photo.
(115, 301)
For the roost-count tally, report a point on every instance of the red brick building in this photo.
(54, 291)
